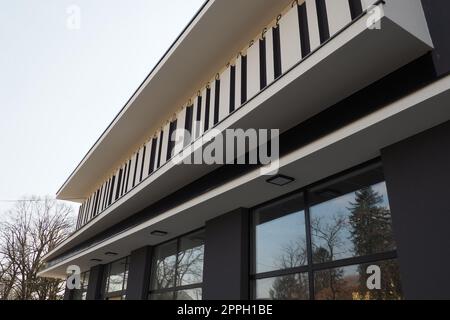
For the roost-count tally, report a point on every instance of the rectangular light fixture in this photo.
(159, 233)
(96, 260)
(280, 180)
(109, 253)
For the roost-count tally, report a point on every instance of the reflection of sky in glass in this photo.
(273, 237)
(325, 216)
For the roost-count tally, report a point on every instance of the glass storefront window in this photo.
(177, 271)
(116, 278)
(326, 235)
(164, 266)
(280, 235)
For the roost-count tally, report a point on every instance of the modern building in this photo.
(360, 93)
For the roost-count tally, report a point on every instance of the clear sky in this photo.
(62, 82)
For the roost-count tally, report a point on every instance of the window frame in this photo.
(311, 268)
(175, 289)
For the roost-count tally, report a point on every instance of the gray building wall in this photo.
(417, 174)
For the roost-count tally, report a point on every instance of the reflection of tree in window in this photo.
(290, 287)
(371, 233)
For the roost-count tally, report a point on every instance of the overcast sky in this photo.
(60, 85)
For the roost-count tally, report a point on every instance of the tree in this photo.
(372, 233)
(31, 229)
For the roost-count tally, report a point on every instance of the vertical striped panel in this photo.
(100, 203)
(125, 178)
(137, 168)
(148, 150)
(159, 149)
(356, 8)
(119, 183)
(134, 170)
(165, 143)
(232, 98)
(313, 24)
(94, 205)
(105, 201)
(253, 71)
(154, 154)
(212, 98)
(171, 139)
(197, 116)
(224, 97)
(181, 126)
(322, 18)
(290, 39)
(237, 97)
(188, 127)
(116, 186)
(262, 64)
(304, 30)
(217, 89)
(142, 154)
(205, 105)
(80, 213)
(339, 15)
(270, 57)
(130, 174)
(86, 213)
(111, 195)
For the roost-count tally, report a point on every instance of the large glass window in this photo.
(177, 271)
(320, 242)
(116, 277)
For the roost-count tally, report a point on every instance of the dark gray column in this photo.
(68, 294)
(139, 274)
(417, 173)
(94, 291)
(436, 13)
(226, 264)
